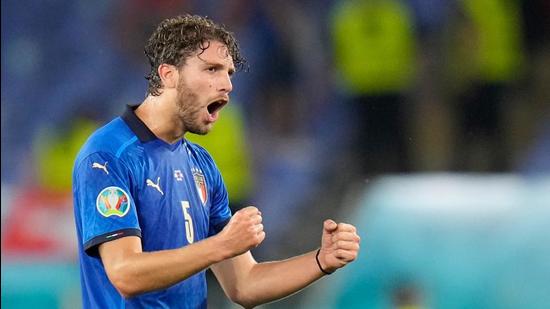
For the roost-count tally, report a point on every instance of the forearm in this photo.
(274, 280)
(249, 283)
(140, 272)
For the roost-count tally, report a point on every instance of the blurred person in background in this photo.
(485, 62)
(151, 208)
(374, 52)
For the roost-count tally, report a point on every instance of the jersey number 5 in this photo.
(188, 222)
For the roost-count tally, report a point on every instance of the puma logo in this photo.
(101, 167)
(150, 183)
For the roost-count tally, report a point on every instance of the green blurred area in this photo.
(55, 152)
(374, 45)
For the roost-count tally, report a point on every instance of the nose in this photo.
(225, 84)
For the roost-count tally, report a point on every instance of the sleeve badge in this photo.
(113, 201)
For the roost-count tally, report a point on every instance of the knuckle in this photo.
(258, 239)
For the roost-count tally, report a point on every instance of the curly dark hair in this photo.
(175, 39)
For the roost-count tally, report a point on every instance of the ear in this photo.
(168, 75)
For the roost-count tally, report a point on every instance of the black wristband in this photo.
(319, 263)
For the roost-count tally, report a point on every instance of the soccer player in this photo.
(151, 208)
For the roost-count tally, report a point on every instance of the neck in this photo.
(157, 114)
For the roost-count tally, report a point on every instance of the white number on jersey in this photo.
(188, 222)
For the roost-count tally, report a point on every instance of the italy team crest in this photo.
(113, 201)
(200, 184)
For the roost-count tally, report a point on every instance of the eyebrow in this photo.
(219, 66)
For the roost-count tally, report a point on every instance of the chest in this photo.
(172, 200)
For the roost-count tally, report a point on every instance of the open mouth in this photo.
(216, 106)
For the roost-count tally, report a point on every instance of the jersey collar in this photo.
(136, 125)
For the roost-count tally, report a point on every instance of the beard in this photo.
(189, 111)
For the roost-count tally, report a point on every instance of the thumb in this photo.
(329, 225)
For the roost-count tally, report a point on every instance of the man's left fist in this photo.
(339, 245)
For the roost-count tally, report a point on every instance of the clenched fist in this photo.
(339, 245)
(243, 232)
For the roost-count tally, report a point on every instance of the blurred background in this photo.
(426, 123)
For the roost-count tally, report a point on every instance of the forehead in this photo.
(216, 53)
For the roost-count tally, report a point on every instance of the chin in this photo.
(202, 131)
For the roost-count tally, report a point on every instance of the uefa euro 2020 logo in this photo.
(113, 201)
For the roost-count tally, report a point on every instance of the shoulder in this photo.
(114, 139)
(203, 159)
(198, 151)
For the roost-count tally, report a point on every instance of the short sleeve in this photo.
(104, 205)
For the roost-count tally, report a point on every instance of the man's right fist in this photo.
(243, 232)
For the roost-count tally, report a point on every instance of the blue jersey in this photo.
(127, 182)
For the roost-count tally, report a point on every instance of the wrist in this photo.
(322, 268)
(220, 251)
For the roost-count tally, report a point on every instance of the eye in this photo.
(211, 69)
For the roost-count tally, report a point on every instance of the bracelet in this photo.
(319, 263)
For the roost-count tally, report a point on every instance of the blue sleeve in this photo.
(103, 200)
(219, 211)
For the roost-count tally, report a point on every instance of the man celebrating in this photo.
(151, 208)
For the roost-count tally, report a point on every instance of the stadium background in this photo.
(425, 123)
